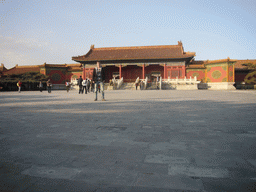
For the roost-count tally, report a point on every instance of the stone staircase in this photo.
(128, 86)
(152, 86)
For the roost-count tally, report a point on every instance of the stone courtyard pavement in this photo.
(159, 140)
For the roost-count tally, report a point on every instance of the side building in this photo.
(57, 73)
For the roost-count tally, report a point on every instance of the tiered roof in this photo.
(196, 65)
(2, 68)
(201, 64)
(220, 61)
(36, 68)
(22, 69)
(134, 53)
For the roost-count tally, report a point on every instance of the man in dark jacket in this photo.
(49, 85)
(80, 80)
(99, 78)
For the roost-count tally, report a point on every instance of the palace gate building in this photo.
(170, 63)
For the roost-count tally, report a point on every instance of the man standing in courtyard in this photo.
(41, 86)
(84, 83)
(19, 86)
(80, 80)
(49, 85)
(99, 78)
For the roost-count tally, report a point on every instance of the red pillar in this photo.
(120, 71)
(83, 75)
(143, 71)
(184, 71)
(165, 71)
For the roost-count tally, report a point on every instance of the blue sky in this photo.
(34, 31)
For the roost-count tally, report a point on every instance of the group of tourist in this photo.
(41, 86)
(139, 83)
(85, 86)
(96, 84)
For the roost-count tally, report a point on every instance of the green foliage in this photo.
(30, 77)
(249, 65)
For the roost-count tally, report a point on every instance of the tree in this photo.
(29, 80)
(30, 77)
(250, 78)
(250, 66)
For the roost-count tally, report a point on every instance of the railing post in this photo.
(146, 83)
(160, 83)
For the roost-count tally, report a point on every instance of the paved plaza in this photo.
(143, 141)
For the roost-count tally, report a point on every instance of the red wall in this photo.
(199, 73)
(57, 76)
(131, 72)
(175, 71)
(73, 74)
(109, 71)
(214, 70)
(230, 73)
(154, 68)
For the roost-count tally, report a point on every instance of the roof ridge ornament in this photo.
(92, 46)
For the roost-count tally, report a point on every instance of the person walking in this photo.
(80, 80)
(49, 86)
(19, 86)
(99, 78)
(68, 85)
(92, 86)
(84, 84)
(41, 86)
(157, 79)
(141, 85)
(88, 85)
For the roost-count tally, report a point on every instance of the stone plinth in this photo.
(221, 86)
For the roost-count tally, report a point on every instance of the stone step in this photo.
(128, 86)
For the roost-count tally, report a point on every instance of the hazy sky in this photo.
(34, 31)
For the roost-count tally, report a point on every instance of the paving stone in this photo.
(221, 161)
(197, 171)
(53, 173)
(106, 176)
(252, 161)
(15, 182)
(169, 145)
(135, 141)
(169, 182)
(163, 159)
(226, 184)
(59, 185)
(152, 168)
